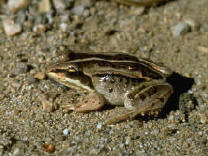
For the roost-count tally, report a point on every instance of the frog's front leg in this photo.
(93, 101)
(146, 98)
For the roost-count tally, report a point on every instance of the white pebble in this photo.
(11, 28)
(63, 27)
(184, 27)
(66, 131)
(16, 151)
(200, 133)
(99, 125)
(180, 29)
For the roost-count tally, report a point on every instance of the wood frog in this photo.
(114, 78)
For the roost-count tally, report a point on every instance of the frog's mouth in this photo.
(76, 80)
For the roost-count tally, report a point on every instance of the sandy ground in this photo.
(182, 127)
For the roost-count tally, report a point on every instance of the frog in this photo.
(118, 79)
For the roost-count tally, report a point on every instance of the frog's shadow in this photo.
(180, 85)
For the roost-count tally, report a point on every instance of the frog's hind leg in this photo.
(93, 101)
(149, 97)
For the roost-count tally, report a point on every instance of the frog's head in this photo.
(69, 74)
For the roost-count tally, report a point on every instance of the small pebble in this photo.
(99, 125)
(78, 10)
(200, 133)
(66, 131)
(183, 28)
(49, 17)
(171, 117)
(86, 13)
(64, 18)
(203, 49)
(59, 5)
(203, 118)
(16, 151)
(11, 28)
(48, 148)
(180, 29)
(137, 11)
(72, 33)
(63, 27)
(15, 5)
(44, 6)
(86, 3)
(128, 140)
(39, 28)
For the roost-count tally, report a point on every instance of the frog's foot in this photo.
(91, 102)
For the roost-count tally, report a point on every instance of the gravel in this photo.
(102, 26)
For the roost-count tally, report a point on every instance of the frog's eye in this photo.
(73, 68)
